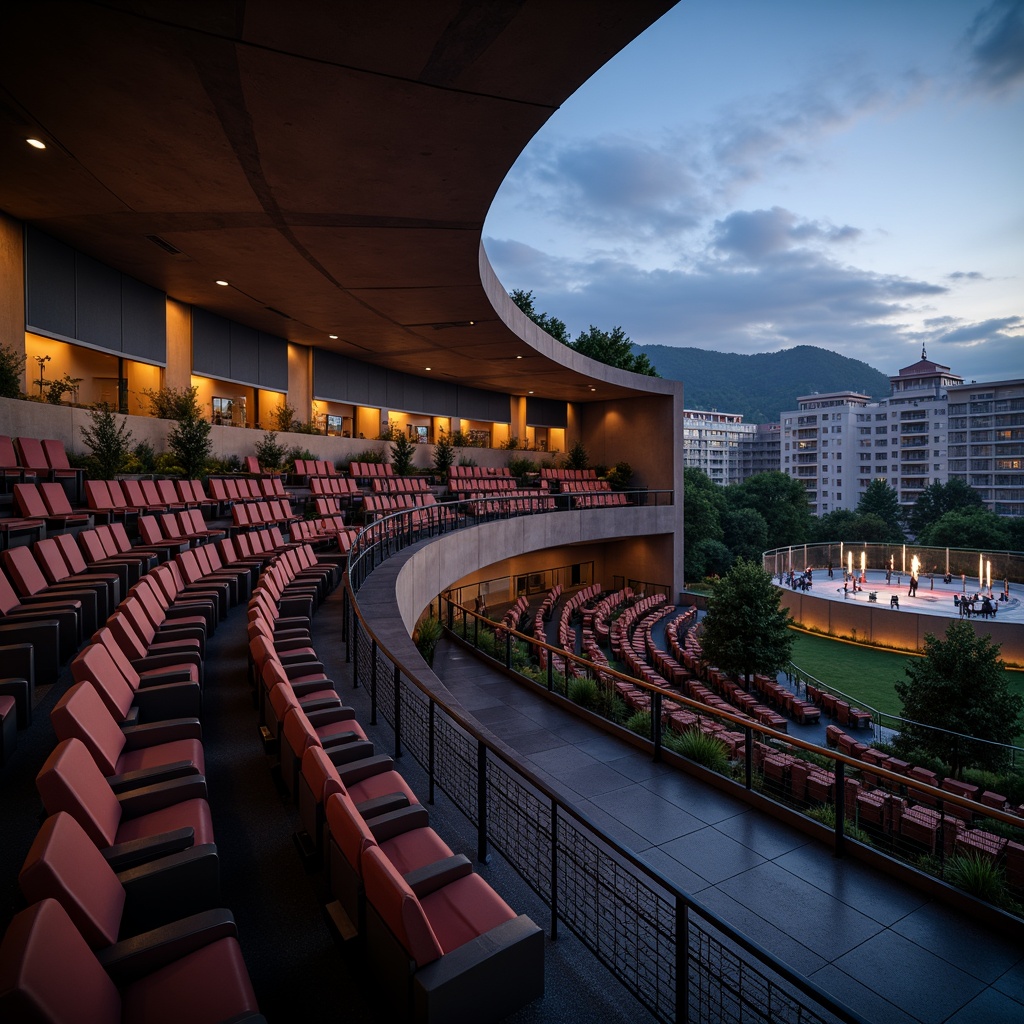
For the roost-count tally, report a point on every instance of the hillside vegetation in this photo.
(760, 386)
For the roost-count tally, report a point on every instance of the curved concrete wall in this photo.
(432, 568)
(904, 630)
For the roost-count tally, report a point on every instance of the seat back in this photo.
(30, 450)
(132, 491)
(95, 666)
(252, 464)
(40, 937)
(120, 537)
(56, 499)
(167, 492)
(63, 864)
(70, 780)
(151, 493)
(23, 570)
(348, 828)
(29, 501)
(97, 494)
(70, 552)
(396, 904)
(81, 713)
(149, 530)
(8, 456)
(50, 559)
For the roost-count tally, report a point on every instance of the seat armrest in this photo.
(121, 856)
(169, 888)
(391, 823)
(302, 688)
(134, 958)
(169, 729)
(161, 795)
(356, 771)
(21, 691)
(314, 708)
(431, 877)
(128, 781)
(294, 670)
(171, 700)
(154, 677)
(349, 751)
(335, 713)
(18, 660)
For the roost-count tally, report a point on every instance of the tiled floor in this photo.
(888, 951)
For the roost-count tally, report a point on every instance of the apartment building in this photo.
(835, 444)
(986, 442)
(715, 442)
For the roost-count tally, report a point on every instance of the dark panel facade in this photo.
(273, 363)
(211, 344)
(49, 285)
(143, 321)
(98, 304)
(546, 412)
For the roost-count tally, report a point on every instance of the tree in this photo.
(782, 501)
(577, 457)
(269, 454)
(190, 445)
(12, 363)
(703, 508)
(938, 499)
(708, 558)
(444, 454)
(882, 500)
(108, 441)
(402, 452)
(614, 349)
(746, 630)
(745, 532)
(846, 525)
(966, 528)
(552, 325)
(959, 685)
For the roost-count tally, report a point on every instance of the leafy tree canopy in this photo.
(612, 348)
(882, 500)
(781, 500)
(967, 528)
(938, 499)
(846, 525)
(959, 685)
(746, 630)
(552, 325)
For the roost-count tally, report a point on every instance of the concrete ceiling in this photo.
(333, 161)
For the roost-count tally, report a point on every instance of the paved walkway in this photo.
(886, 950)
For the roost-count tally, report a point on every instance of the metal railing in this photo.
(885, 725)
(678, 958)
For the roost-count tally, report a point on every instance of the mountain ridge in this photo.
(761, 385)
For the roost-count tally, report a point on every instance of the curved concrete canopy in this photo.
(333, 161)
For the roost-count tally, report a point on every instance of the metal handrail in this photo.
(685, 912)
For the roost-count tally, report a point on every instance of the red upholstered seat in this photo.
(49, 973)
(71, 781)
(82, 713)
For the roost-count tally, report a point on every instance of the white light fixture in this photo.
(223, 284)
(519, 357)
(36, 143)
(427, 368)
(333, 337)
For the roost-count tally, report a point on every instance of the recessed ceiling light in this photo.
(223, 284)
(333, 337)
(529, 392)
(519, 357)
(427, 367)
(36, 143)
(593, 389)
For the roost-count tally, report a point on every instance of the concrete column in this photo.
(179, 345)
(12, 285)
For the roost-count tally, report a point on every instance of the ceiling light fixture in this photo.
(36, 143)
(427, 367)
(333, 337)
(223, 284)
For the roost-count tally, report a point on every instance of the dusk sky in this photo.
(748, 176)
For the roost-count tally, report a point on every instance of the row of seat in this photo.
(36, 459)
(445, 946)
(122, 881)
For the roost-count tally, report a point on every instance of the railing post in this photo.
(398, 712)
(656, 724)
(840, 802)
(355, 653)
(344, 617)
(554, 870)
(748, 756)
(373, 682)
(682, 960)
(431, 749)
(481, 804)
(551, 672)
(508, 648)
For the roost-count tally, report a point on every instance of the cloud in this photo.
(969, 275)
(754, 234)
(983, 330)
(995, 47)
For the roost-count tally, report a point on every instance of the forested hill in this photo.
(761, 386)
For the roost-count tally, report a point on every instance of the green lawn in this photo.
(862, 672)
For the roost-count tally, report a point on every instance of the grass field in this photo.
(862, 672)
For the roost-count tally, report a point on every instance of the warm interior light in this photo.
(223, 284)
(519, 357)
(36, 143)
(333, 337)
(426, 367)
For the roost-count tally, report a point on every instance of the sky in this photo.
(748, 176)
